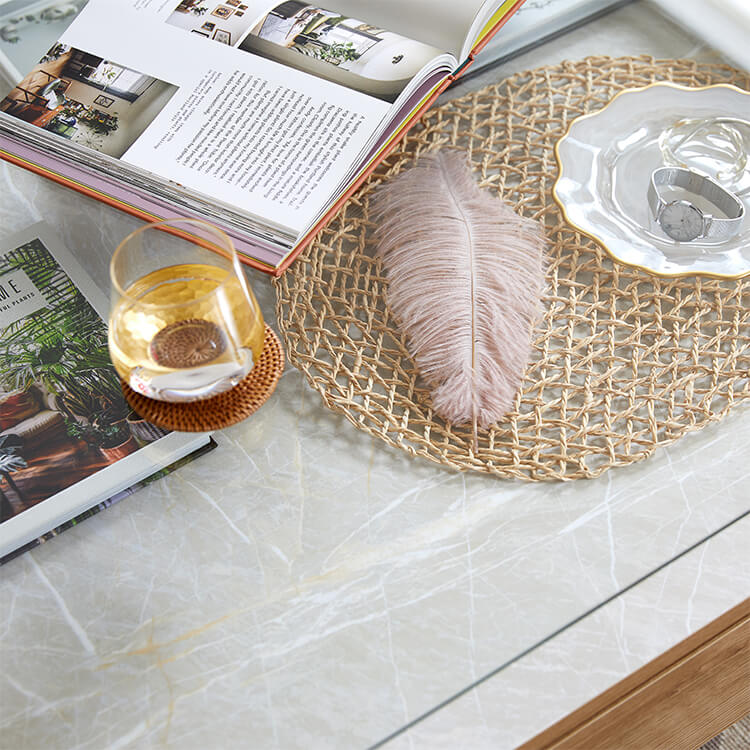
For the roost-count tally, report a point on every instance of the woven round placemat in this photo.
(623, 361)
(220, 411)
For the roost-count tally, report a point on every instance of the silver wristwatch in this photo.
(683, 221)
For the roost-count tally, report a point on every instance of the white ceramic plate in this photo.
(605, 162)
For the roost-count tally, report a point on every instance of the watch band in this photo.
(715, 228)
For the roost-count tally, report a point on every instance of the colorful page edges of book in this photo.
(68, 440)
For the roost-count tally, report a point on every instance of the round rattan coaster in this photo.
(623, 361)
(223, 410)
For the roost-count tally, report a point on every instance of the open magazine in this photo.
(258, 116)
(68, 440)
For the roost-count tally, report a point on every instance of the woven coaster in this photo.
(623, 362)
(220, 411)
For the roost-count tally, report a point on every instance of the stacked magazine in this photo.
(259, 116)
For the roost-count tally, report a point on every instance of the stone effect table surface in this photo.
(305, 586)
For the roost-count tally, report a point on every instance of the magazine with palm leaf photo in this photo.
(68, 440)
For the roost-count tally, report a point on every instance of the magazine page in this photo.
(67, 437)
(276, 142)
(327, 44)
(445, 24)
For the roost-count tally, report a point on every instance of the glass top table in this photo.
(304, 585)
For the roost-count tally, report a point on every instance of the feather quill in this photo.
(465, 275)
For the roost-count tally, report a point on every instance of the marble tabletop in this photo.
(305, 586)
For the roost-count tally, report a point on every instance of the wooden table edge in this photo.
(678, 701)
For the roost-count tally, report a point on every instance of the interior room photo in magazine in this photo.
(225, 22)
(88, 100)
(340, 49)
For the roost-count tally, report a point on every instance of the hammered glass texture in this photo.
(220, 411)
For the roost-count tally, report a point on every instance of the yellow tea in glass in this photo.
(184, 325)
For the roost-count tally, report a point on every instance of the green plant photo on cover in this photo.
(62, 347)
(10, 461)
(98, 436)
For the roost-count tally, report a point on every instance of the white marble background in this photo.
(305, 586)
(612, 642)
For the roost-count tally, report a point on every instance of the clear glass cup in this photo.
(184, 324)
(716, 146)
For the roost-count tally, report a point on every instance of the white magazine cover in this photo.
(537, 21)
(724, 24)
(68, 439)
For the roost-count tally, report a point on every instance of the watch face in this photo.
(681, 221)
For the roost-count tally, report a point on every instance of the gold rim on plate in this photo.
(600, 241)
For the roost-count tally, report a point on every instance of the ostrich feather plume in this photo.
(465, 276)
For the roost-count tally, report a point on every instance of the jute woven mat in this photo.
(623, 362)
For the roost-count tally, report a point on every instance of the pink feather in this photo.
(465, 275)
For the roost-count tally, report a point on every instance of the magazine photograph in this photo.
(344, 50)
(314, 40)
(88, 100)
(225, 23)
